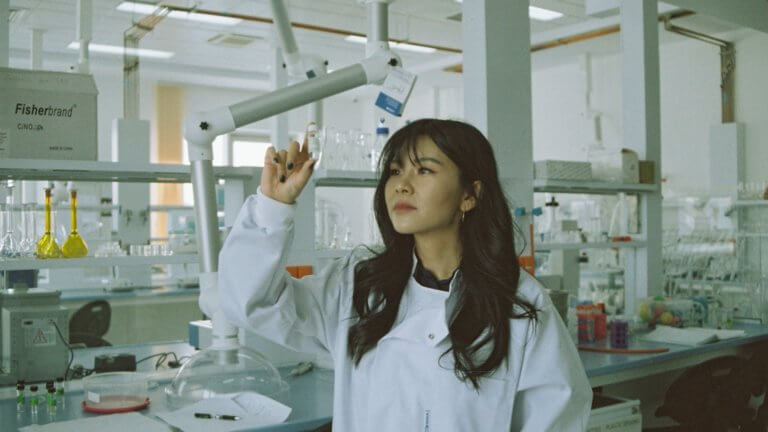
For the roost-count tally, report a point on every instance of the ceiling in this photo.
(432, 22)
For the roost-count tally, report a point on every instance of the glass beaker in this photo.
(47, 247)
(74, 246)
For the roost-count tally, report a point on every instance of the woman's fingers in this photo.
(282, 155)
(269, 172)
(292, 160)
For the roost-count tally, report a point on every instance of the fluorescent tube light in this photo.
(542, 14)
(148, 9)
(537, 13)
(397, 45)
(118, 50)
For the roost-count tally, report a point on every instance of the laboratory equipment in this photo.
(673, 312)
(47, 247)
(619, 333)
(200, 131)
(9, 245)
(33, 328)
(34, 401)
(50, 400)
(382, 135)
(202, 377)
(21, 400)
(29, 230)
(74, 246)
(115, 392)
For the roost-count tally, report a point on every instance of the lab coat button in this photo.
(431, 336)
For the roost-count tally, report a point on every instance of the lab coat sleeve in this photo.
(553, 391)
(257, 293)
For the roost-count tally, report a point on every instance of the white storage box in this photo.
(47, 115)
(614, 414)
(618, 166)
(562, 170)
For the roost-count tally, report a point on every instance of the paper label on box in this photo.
(94, 397)
(5, 143)
(395, 91)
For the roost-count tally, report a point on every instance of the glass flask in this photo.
(29, 228)
(74, 246)
(47, 246)
(9, 244)
(216, 372)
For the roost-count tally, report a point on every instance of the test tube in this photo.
(21, 402)
(34, 401)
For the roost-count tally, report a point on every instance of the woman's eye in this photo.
(423, 170)
(394, 171)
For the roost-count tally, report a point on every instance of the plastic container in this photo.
(115, 392)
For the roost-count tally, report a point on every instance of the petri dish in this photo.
(115, 392)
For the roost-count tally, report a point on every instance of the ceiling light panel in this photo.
(118, 50)
(149, 9)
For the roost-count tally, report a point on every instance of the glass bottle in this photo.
(47, 246)
(34, 401)
(9, 245)
(74, 246)
(382, 135)
(29, 234)
(21, 402)
(51, 402)
(60, 390)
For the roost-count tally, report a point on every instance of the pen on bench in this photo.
(216, 416)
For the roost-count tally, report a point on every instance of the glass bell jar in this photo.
(225, 369)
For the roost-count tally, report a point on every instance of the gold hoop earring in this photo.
(462, 216)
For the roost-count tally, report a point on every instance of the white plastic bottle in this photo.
(382, 135)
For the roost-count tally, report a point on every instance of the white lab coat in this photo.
(399, 385)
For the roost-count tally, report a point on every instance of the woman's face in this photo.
(425, 195)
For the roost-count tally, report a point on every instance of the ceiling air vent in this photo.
(456, 17)
(233, 39)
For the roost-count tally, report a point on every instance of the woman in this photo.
(440, 331)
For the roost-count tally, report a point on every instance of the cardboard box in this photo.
(47, 115)
(646, 172)
(562, 170)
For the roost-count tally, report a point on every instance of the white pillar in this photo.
(36, 49)
(642, 133)
(279, 78)
(497, 91)
(4, 32)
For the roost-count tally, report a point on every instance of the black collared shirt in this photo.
(427, 279)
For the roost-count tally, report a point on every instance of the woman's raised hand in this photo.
(286, 172)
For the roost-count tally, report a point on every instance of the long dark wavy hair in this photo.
(489, 266)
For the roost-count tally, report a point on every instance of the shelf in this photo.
(40, 169)
(341, 178)
(591, 187)
(91, 262)
(750, 203)
(539, 247)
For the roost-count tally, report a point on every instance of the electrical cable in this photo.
(71, 352)
(162, 357)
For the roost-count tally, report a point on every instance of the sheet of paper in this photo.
(251, 410)
(129, 422)
(690, 336)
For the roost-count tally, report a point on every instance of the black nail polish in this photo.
(276, 160)
(282, 179)
(290, 165)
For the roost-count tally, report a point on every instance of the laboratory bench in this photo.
(311, 395)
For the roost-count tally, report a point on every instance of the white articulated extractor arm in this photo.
(200, 129)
